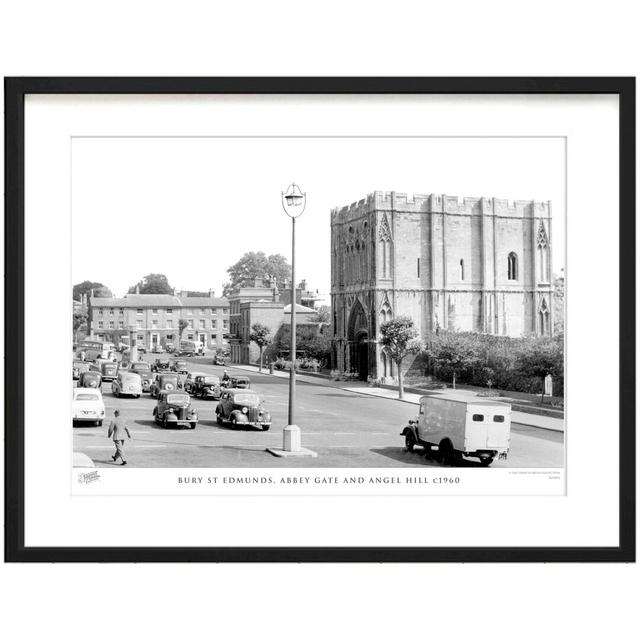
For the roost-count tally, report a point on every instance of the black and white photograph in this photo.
(299, 302)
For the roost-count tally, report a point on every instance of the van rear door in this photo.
(487, 428)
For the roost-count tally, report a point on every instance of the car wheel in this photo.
(265, 427)
(447, 453)
(409, 441)
(193, 425)
(164, 423)
(485, 462)
(234, 424)
(98, 423)
(218, 418)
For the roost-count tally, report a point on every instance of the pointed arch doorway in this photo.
(358, 337)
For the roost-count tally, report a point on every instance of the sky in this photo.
(191, 207)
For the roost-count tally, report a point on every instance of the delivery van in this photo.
(450, 429)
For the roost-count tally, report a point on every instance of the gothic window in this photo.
(461, 269)
(512, 266)
(543, 253)
(543, 316)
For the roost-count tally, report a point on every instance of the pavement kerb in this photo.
(370, 391)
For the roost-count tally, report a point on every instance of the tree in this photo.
(153, 283)
(323, 314)
(260, 335)
(80, 317)
(256, 265)
(454, 353)
(541, 357)
(95, 289)
(182, 325)
(558, 303)
(399, 339)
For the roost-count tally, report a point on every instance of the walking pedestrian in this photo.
(117, 428)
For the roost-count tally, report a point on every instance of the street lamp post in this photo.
(293, 203)
(133, 346)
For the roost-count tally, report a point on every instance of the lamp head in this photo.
(294, 201)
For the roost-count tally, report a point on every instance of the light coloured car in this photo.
(127, 384)
(87, 406)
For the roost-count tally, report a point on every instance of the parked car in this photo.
(239, 382)
(219, 360)
(87, 406)
(107, 369)
(78, 367)
(174, 410)
(164, 382)
(170, 348)
(190, 380)
(90, 380)
(239, 407)
(161, 364)
(127, 384)
(141, 349)
(207, 386)
(143, 369)
(179, 366)
(450, 429)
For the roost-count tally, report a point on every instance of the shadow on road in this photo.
(418, 457)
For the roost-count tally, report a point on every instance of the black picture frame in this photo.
(15, 91)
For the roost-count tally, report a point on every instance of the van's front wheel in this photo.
(409, 441)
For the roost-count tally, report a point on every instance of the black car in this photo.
(207, 386)
(179, 366)
(161, 364)
(240, 407)
(174, 410)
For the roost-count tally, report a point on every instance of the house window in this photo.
(112, 324)
(169, 324)
(100, 324)
(154, 311)
(203, 311)
(139, 311)
(213, 324)
(170, 337)
(512, 266)
(139, 323)
(154, 324)
(190, 324)
(190, 336)
(214, 311)
(120, 325)
(461, 269)
(203, 324)
(121, 312)
(225, 324)
(169, 311)
(110, 312)
(99, 312)
(190, 312)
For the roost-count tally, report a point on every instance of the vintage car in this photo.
(164, 382)
(143, 369)
(179, 366)
(239, 408)
(239, 382)
(219, 361)
(127, 384)
(87, 406)
(107, 369)
(157, 349)
(90, 380)
(78, 367)
(170, 348)
(161, 364)
(207, 386)
(190, 380)
(174, 410)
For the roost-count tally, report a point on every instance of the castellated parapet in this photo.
(471, 264)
